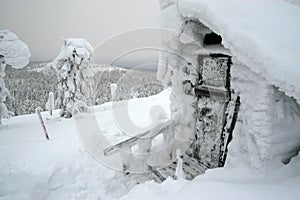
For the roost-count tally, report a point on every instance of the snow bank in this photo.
(33, 168)
(15, 52)
(224, 183)
(267, 130)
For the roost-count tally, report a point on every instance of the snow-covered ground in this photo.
(225, 183)
(33, 168)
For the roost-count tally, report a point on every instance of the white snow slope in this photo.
(33, 168)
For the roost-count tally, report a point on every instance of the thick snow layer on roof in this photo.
(263, 35)
(15, 52)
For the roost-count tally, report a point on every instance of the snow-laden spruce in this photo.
(15, 53)
(75, 87)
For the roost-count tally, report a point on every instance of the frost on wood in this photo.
(75, 87)
(15, 53)
(199, 72)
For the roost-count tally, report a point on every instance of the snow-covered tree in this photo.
(75, 87)
(15, 53)
(4, 93)
(50, 103)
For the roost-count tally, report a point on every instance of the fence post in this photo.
(38, 112)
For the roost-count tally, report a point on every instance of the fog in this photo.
(43, 24)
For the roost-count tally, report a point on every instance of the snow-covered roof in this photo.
(264, 35)
(15, 52)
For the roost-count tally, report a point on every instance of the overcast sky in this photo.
(42, 24)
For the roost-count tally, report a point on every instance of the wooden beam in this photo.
(150, 134)
(206, 91)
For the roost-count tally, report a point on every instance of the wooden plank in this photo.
(229, 131)
(203, 90)
(152, 133)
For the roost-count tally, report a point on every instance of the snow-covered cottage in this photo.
(235, 87)
(238, 78)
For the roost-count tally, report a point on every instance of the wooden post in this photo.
(38, 112)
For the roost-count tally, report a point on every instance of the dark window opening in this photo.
(212, 38)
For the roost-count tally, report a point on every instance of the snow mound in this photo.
(15, 52)
(225, 183)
